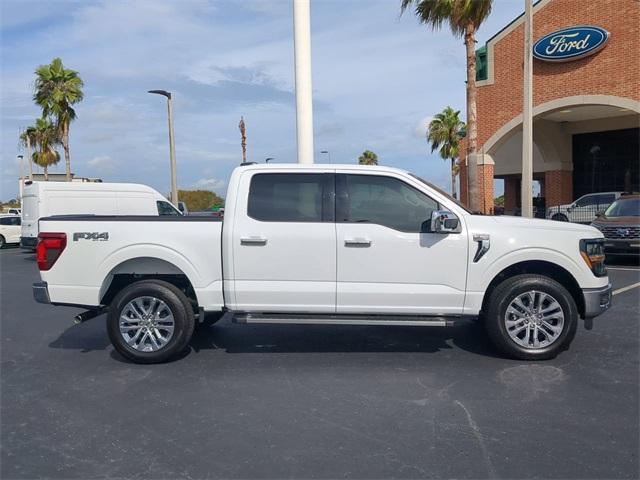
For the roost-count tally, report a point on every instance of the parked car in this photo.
(584, 209)
(44, 199)
(620, 224)
(326, 245)
(9, 229)
(15, 211)
(184, 210)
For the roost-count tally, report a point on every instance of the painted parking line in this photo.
(627, 288)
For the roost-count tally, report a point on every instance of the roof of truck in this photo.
(322, 166)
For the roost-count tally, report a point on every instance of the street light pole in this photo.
(526, 187)
(29, 159)
(20, 157)
(172, 145)
(304, 102)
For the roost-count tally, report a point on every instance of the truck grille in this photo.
(619, 232)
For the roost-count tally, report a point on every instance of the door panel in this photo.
(390, 270)
(284, 244)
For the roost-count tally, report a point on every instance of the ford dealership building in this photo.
(586, 98)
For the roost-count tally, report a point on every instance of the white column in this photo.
(526, 192)
(304, 101)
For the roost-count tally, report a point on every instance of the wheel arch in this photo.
(145, 268)
(539, 267)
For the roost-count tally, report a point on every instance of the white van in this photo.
(45, 199)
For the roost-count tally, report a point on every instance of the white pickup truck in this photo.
(326, 244)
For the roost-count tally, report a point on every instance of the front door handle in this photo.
(357, 242)
(253, 241)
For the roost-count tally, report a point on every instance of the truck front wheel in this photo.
(531, 317)
(150, 321)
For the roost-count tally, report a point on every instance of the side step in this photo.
(319, 319)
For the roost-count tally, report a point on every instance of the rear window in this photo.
(288, 197)
(12, 220)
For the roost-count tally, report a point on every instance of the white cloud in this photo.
(212, 184)
(420, 130)
(99, 161)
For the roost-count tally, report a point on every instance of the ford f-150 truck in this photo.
(326, 244)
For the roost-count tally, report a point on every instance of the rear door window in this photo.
(291, 197)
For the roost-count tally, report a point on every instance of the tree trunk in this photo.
(472, 129)
(453, 178)
(46, 173)
(65, 145)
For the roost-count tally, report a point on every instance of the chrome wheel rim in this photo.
(534, 319)
(146, 324)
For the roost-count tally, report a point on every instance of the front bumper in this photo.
(28, 242)
(41, 292)
(596, 301)
(622, 246)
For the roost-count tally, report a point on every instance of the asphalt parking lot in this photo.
(313, 402)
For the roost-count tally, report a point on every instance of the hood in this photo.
(533, 223)
(614, 221)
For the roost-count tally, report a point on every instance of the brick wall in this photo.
(511, 186)
(615, 70)
(558, 187)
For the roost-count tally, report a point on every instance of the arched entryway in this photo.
(582, 144)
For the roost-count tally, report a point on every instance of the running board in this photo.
(318, 319)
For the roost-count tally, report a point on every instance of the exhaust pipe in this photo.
(89, 314)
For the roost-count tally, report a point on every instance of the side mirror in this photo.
(443, 222)
(600, 214)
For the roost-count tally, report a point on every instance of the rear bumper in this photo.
(41, 292)
(596, 301)
(28, 242)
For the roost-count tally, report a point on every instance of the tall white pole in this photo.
(526, 191)
(304, 102)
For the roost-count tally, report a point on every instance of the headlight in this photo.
(592, 252)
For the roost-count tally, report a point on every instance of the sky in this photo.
(378, 78)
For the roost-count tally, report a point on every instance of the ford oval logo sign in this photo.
(570, 44)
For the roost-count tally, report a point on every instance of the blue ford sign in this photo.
(570, 44)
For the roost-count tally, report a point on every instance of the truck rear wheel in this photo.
(531, 317)
(150, 321)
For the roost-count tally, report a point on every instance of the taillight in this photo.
(50, 247)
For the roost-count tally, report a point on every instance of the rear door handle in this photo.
(357, 242)
(253, 241)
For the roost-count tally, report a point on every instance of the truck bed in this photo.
(100, 247)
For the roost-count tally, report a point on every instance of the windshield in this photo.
(441, 192)
(624, 207)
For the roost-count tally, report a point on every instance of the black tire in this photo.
(559, 217)
(209, 318)
(3, 242)
(180, 308)
(509, 290)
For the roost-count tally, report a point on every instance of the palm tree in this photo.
(44, 136)
(368, 158)
(56, 90)
(28, 140)
(464, 18)
(444, 133)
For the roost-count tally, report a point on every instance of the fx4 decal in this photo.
(95, 236)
